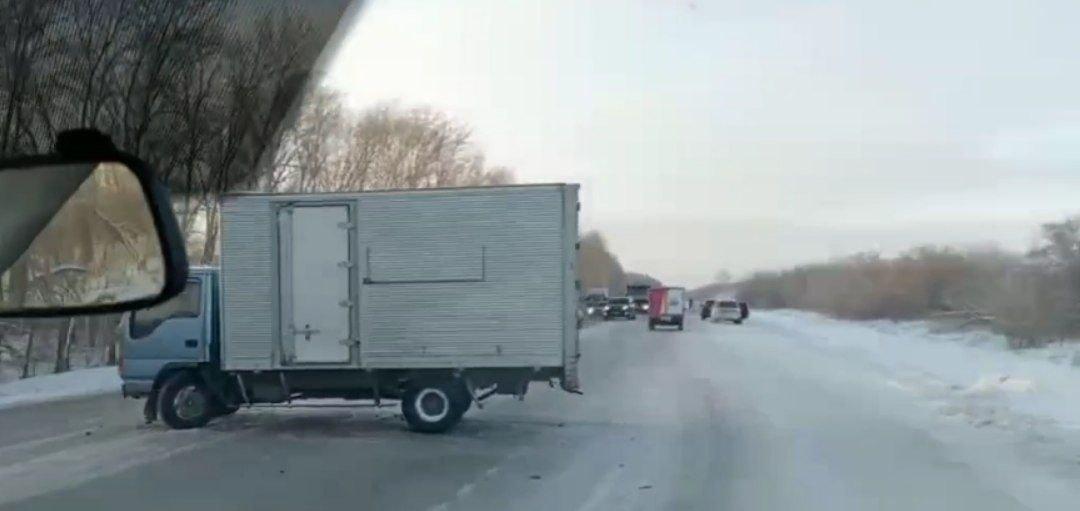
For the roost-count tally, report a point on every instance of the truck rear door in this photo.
(657, 302)
(315, 290)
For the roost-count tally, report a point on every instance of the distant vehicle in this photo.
(594, 304)
(727, 310)
(706, 309)
(597, 293)
(639, 295)
(620, 307)
(667, 306)
(641, 304)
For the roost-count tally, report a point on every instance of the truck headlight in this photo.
(645, 307)
(590, 310)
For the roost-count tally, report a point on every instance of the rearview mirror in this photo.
(85, 230)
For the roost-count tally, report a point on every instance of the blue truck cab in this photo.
(178, 335)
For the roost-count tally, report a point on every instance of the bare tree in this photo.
(332, 148)
(201, 89)
(598, 267)
(23, 26)
(722, 277)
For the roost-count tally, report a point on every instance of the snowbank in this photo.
(968, 373)
(81, 382)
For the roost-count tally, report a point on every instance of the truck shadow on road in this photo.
(381, 424)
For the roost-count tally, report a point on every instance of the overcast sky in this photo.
(753, 134)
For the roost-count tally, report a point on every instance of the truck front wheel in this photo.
(184, 402)
(433, 407)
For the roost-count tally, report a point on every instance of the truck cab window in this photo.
(185, 305)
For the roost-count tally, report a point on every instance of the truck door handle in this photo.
(307, 332)
(191, 343)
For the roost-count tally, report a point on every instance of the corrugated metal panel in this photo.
(432, 260)
(511, 315)
(457, 278)
(247, 282)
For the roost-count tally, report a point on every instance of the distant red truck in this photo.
(667, 306)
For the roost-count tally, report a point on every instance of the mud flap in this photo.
(150, 411)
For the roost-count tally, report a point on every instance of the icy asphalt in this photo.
(765, 415)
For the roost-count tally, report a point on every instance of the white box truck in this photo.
(438, 298)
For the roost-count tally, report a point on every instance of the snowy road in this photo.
(788, 411)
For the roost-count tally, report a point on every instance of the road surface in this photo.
(715, 417)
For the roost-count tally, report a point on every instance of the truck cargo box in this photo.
(440, 278)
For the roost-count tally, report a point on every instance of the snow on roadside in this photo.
(969, 374)
(80, 382)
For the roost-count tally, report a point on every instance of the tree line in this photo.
(1032, 298)
(598, 267)
(215, 95)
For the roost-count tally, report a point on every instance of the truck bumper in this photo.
(136, 388)
(668, 319)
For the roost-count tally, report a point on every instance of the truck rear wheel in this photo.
(434, 407)
(184, 402)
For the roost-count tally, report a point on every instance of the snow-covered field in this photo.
(1010, 419)
(967, 374)
(81, 382)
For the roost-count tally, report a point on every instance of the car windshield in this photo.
(841, 241)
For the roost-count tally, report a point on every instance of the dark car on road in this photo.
(706, 309)
(641, 304)
(620, 307)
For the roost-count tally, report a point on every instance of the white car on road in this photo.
(726, 310)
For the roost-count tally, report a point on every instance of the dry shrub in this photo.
(1032, 299)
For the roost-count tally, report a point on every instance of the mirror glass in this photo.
(76, 235)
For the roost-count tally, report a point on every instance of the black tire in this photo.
(465, 399)
(737, 321)
(680, 326)
(434, 407)
(652, 326)
(185, 403)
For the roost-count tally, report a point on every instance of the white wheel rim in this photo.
(428, 395)
(189, 403)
